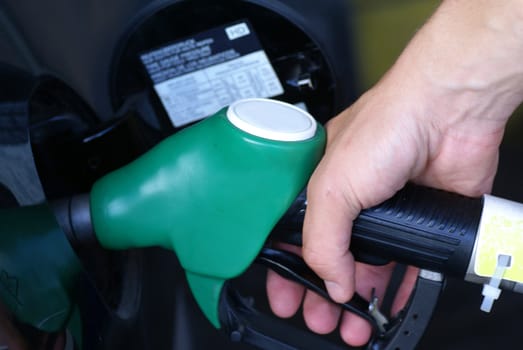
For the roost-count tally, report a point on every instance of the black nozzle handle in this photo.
(425, 227)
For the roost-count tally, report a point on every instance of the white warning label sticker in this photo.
(197, 76)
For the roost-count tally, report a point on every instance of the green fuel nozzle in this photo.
(213, 192)
(38, 267)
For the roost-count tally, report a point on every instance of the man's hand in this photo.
(436, 118)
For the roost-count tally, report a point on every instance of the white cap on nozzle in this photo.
(271, 119)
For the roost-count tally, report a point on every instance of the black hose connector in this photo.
(73, 214)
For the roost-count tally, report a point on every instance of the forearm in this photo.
(465, 64)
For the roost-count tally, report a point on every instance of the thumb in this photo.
(326, 236)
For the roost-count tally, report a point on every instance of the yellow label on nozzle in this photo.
(500, 232)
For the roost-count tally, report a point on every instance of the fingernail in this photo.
(335, 291)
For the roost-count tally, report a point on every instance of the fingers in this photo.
(320, 315)
(405, 289)
(354, 330)
(284, 296)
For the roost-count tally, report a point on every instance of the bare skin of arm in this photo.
(437, 117)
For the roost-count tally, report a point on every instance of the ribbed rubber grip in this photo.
(420, 226)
